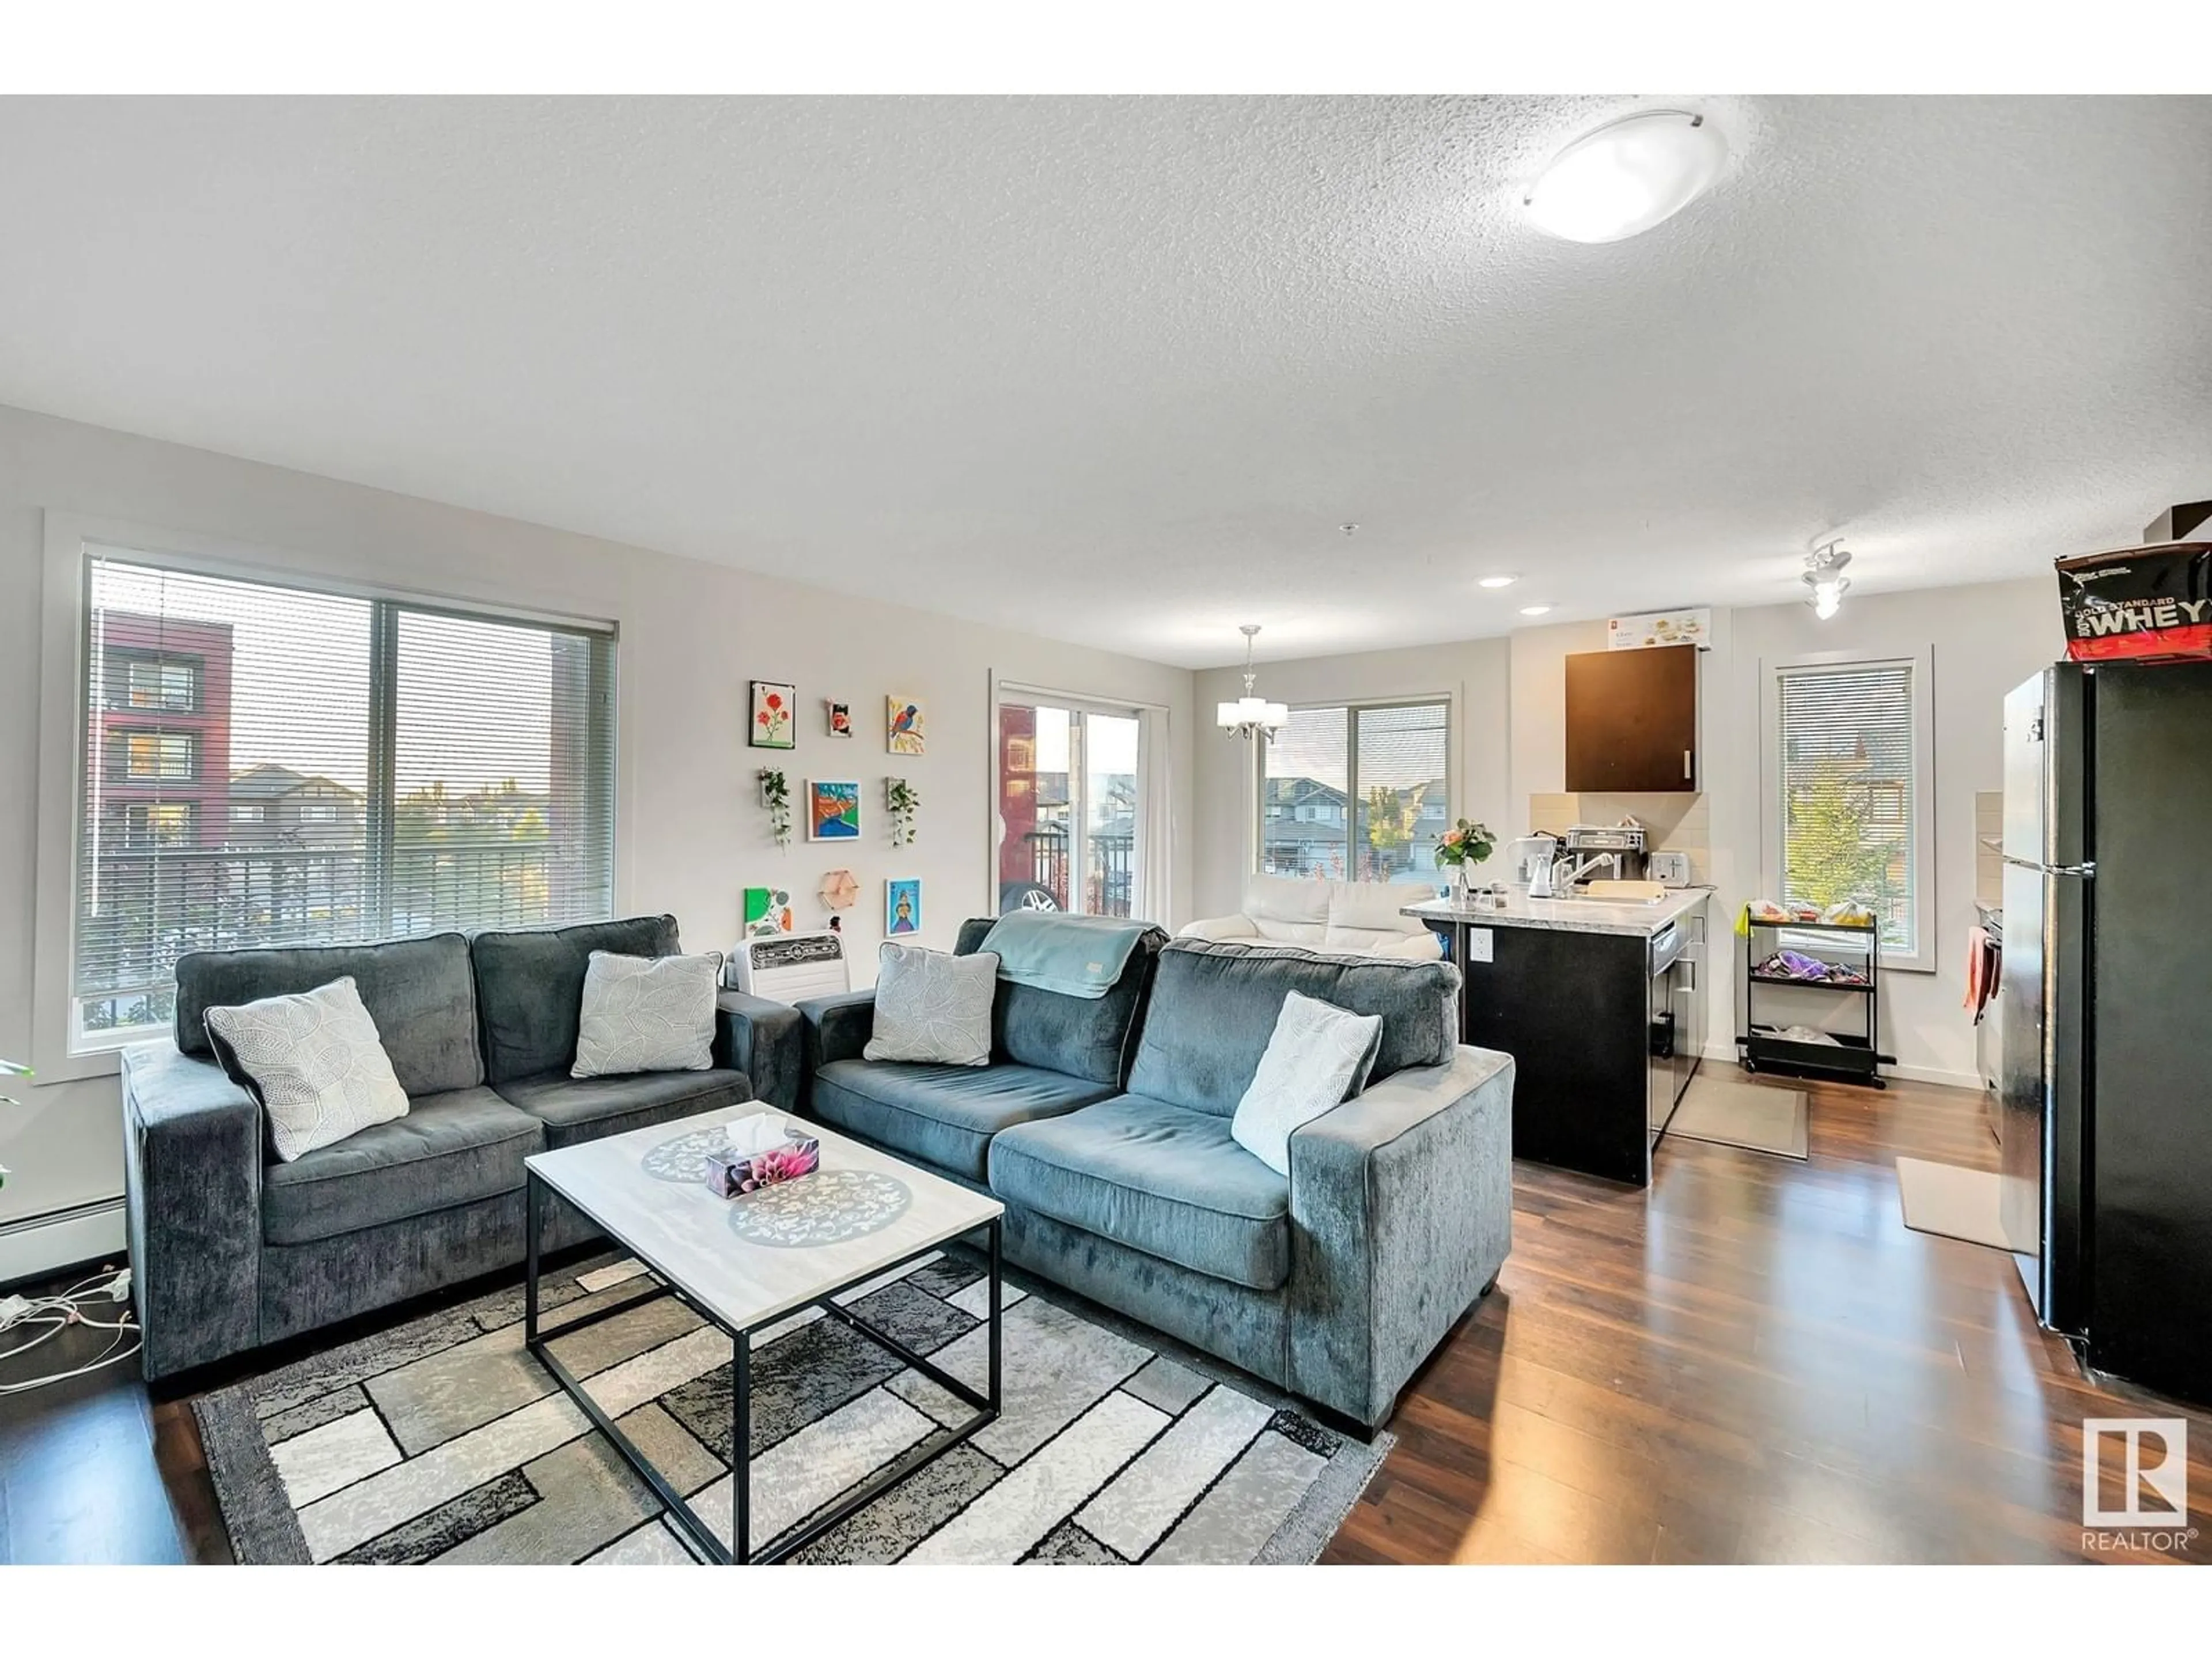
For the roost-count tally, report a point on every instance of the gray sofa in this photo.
(1103, 1126)
(231, 1250)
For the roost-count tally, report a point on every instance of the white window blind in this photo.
(1850, 777)
(1357, 793)
(268, 765)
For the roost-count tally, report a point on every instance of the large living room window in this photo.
(1850, 796)
(271, 765)
(1357, 791)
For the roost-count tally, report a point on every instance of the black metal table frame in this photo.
(696, 1532)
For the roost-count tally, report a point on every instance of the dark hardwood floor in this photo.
(1754, 1361)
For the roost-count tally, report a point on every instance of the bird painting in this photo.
(902, 717)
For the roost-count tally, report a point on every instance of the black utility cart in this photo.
(1850, 1058)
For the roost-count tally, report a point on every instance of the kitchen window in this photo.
(1850, 796)
(329, 769)
(1357, 791)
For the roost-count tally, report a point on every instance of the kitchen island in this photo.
(1601, 1006)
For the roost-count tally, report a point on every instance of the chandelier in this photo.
(1251, 716)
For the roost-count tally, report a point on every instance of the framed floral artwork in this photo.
(771, 726)
(833, 810)
(902, 725)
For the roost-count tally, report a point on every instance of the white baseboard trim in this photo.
(1728, 1053)
(38, 1245)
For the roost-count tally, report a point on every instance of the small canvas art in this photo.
(902, 725)
(833, 810)
(768, 910)
(771, 726)
(841, 719)
(901, 907)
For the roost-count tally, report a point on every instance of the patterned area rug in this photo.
(443, 1440)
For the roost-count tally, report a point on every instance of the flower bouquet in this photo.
(1464, 843)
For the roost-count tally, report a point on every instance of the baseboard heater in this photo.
(40, 1246)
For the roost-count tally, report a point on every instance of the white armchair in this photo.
(1340, 917)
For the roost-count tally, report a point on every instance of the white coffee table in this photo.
(741, 1263)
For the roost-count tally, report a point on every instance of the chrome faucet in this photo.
(1565, 873)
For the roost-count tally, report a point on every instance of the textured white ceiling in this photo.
(1116, 370)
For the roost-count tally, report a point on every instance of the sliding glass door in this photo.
(1070, 805)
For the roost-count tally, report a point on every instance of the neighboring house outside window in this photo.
(1357, 791)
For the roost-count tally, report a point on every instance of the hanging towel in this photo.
(1075, 956)
(1983, 962)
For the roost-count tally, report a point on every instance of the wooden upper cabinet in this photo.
(1633, 720)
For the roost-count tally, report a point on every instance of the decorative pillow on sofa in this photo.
(932, 1008)
(647, 1014)
(316, 1062)
(1319, 1056)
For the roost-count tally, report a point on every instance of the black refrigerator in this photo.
(2105, 1096)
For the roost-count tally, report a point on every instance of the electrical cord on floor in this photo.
(52, 1315)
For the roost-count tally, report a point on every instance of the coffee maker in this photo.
(1589, 844)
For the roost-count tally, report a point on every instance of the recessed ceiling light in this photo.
(1535, 610)
(1498, 581)
(1627, 176)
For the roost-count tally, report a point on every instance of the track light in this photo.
(1824, 574)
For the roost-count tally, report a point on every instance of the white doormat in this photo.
(1952, 1202)
(1754, 1116)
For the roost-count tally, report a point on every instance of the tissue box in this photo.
(731, 1173)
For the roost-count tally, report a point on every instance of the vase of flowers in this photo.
(1463, 844)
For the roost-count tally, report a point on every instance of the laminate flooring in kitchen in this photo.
(1753, 1361)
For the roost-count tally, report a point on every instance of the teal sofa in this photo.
(1103, 1125)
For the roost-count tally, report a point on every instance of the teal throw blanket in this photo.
(1075, 956)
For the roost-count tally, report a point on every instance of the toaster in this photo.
(1673, 869)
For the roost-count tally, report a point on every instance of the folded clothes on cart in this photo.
(1796, 964)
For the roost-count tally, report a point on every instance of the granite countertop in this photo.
(1568, 915)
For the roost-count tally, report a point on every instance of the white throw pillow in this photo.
(932, 1008)
(1318, 1053)
(317, 1062)
(647, 1014)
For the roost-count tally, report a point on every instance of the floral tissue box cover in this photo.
(730, 1174)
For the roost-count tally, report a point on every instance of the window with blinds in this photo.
(1357, 793)
(1850, 776)
(269, 765)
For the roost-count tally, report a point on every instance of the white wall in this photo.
(690, 835)
(1984, 640)
(1475, 674)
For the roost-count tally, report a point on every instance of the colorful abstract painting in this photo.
(768, 910)
(901, 907)
(771, 726)
(833, 810)
(903, 720)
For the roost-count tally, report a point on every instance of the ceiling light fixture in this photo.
(1251, 716)
(1824, 574)
(1498, 581)
(1535, 610)
(1627, 176)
